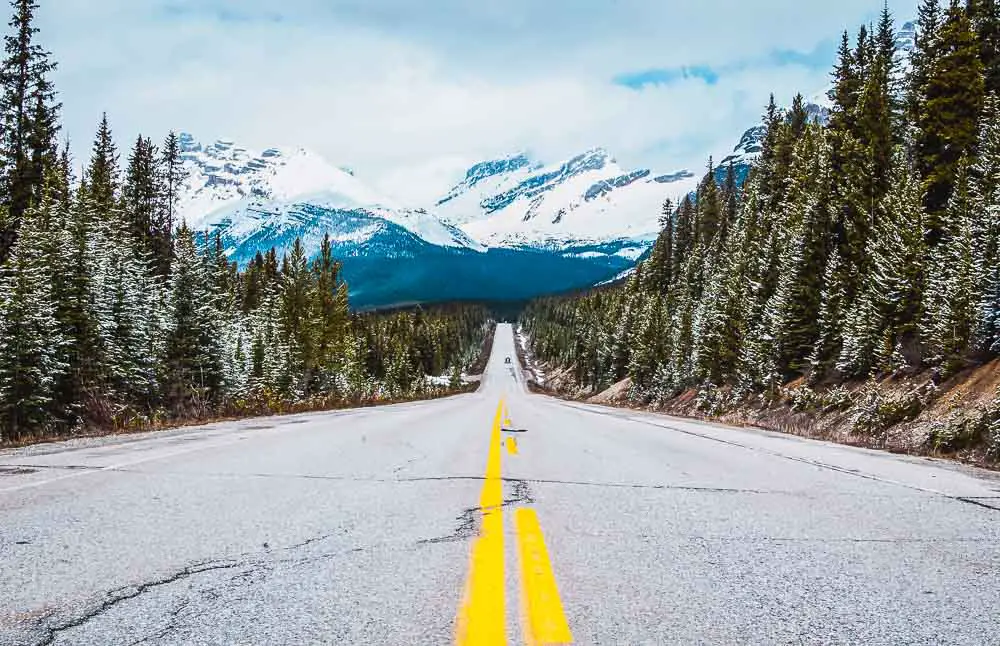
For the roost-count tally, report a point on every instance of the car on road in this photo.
(507, 360)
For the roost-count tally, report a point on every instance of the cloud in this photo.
(408, 93)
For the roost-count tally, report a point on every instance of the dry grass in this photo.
(308, 406)
(902, 411)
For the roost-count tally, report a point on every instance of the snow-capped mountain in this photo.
(268, 198)
(392, 254)
(585, 200)
(512, 228)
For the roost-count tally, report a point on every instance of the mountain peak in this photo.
(223, 174)
(486, 169)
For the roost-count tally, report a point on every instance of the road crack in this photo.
(468, 520)
(120, 595)
(253, 562)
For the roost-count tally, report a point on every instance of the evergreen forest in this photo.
(862, 245)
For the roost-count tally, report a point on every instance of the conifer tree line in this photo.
(866, 245)
(114, 314)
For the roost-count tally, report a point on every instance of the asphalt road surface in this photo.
(496, 517)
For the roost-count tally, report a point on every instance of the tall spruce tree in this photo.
(101, 179)
(876, 132)
(141, 197)
(898, 260)
(28, 118)
(658, 275)
(846, 86)
(948, 118)
(30, 341)
(797, 298)
(864, 52)
(173, 176)
(951, 298)
(985, 196)
(922, 59)
(985, 16)
(191, 365)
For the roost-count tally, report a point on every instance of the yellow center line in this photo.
(482, 615)
(481, 618)
(542, 616)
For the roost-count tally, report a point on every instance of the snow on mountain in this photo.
(747, 150)
(277, 195)
(585, 200)
(462, 203)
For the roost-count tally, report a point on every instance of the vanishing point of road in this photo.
(491, 518)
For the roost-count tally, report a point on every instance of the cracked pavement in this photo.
(354, 527)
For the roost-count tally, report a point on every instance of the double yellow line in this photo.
(481, 618)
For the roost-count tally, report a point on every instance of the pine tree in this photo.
(329, 307)
(709, 208)
(830, 341)
(64, 167)
(898, 256)
(30, 341)
(730, 199)
(923, 58)
(890, 75)
(191, 362)
(948, 117)
(876, 132)
(798, 295)
(885, 38)
(683, 235)
(101, 178)
(846, 86)
(41, 140)
(985, 197)
(647, 342)
(28, 119)
(124, 306)
(658, 275)
(141, 194)
(951, 298)
(985, 16)
(296, 302)
(27, 107)
(864, 52)
(74, 266)
(173, 176)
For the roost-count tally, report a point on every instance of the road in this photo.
(489, 518)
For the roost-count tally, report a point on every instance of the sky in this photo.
(409, 93)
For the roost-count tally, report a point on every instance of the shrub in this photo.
(837, 398)
(710, 400)
(802, 398)
(877, 412)
(968, 429)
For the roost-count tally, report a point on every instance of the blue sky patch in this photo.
(667, 76)
(819, 57)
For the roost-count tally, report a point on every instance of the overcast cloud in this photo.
(410, 93)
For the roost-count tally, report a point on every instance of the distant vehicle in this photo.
(507, 360)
